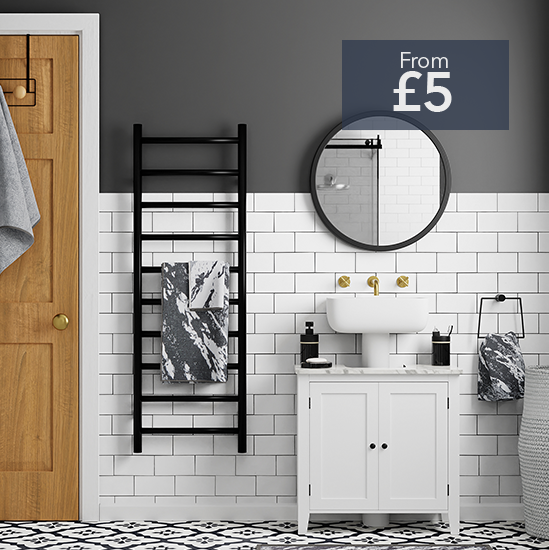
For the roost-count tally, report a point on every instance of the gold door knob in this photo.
(60, 321)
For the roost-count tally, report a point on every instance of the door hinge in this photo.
(448, 403)
(309, 489)
(309, 402)
(448, 490)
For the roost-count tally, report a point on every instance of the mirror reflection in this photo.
(380, 182)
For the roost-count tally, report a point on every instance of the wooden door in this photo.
(39, 364)
(413, 468)
(343, 467)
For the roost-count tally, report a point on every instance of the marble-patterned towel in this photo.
(194, 343)
(208, 284)
(500, 368)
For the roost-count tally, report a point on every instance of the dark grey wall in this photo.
(199, 67)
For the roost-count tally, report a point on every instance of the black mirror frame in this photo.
(445, 164)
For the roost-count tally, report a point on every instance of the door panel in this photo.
(39, 364)
(28, 410)
(413, 468)
(343, 468)
(29, 279)
(31, 120)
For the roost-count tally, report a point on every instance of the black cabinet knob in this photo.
(372, 445)
(384, 446)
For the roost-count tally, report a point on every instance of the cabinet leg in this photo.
(375, 520)
(302, 522)
(453, 520)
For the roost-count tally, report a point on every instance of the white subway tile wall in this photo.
(484, 244)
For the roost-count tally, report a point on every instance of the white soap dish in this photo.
(317, 363)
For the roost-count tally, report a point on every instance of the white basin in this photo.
(376, 317)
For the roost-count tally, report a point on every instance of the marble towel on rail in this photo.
(500, 368)
(194, 342)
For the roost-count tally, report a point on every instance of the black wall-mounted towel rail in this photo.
(237, 176)
(501, 298)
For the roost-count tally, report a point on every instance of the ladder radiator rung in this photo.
(189, 237)
(168, 431)
(156, 366)
(158, 333)
(186, 172)
(190, 140)
(151, 301)
(189, 204)
(156, 269)
(187, 398)
(158, 301)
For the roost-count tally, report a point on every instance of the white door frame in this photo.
(86, 26)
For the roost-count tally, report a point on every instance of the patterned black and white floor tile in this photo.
(240, 535)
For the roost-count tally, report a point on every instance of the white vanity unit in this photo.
(377, 442)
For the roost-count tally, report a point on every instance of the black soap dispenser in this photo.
(309, 343)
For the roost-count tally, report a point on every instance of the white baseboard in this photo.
(280, 512)
(492, 512)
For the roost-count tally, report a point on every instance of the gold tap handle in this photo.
(403, 281)
(344, 281)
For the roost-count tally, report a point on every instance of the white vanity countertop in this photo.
(404, 371)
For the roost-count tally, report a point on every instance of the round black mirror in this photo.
(380, 181)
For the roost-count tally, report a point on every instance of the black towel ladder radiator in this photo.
(240, 269)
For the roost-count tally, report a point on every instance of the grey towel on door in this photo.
(18, 208)
(194, 343)
(500, 368)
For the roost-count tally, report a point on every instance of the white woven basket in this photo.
(533, 448)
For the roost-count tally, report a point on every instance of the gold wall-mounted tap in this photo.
(403, 281)
(344, 281)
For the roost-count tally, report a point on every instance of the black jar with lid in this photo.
(440, 350)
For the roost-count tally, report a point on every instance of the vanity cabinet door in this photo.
(413, 424)
(343, 467)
